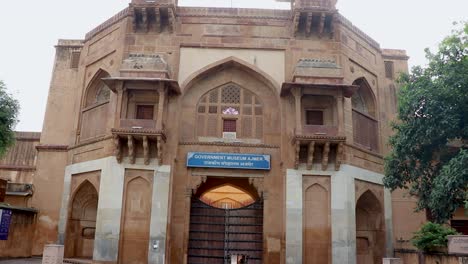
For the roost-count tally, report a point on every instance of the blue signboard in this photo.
(228, 161)
(5, 219)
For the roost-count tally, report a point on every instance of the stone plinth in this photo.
(457, 244)
(392, 261)
(53, 254)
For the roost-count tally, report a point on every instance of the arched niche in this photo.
(370, 229)
(136, 216)
(95, 107)
(230, 73)
(82, 222)
(316, 225)
(365, 122)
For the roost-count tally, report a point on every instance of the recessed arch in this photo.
(95, 107)
(365, 121)
(208, 237)
(227, 196)
(370, 228)
(364, 99)
(316, 224)
(242, 184)
(230, 108)
(96, 88)
(228, 63)
(82, 221)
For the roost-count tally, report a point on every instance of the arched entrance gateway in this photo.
(226, 223)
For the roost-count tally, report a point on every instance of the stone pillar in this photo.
(293, 217)
(343, 218)
(106, 243)
(388, 223)
(162, 99)
(159, 213)
(297, 93)
(340, 115)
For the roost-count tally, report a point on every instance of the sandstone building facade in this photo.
(302, 91)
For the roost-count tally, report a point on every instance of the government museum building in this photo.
(194, 135)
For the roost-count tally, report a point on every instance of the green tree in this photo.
(429, 149)
(9, 108)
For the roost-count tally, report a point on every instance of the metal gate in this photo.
(216, 234)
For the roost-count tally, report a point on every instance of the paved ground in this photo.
(22, 261)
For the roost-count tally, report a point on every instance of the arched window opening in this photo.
(95, 109)
(230, 109)
(227, 197)
(365, 124)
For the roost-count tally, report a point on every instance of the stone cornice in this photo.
(52, 148)
(220, 12)
(17, 167)
(375, 154)
(228, 144)
(89, 142)
(321, 138)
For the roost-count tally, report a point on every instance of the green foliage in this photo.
(431, 235)
(9, 108)
(433, 114)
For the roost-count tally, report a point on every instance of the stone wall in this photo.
(413, 257)
(20, 239)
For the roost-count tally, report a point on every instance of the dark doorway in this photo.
(218, 232)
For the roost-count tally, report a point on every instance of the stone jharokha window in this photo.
(365, 124)
(230, 108)
(95, 108)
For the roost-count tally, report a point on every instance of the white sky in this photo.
(29, 30)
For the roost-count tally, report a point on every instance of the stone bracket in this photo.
(326, 143)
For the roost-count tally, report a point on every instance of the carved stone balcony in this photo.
(138, 124)
(317, 130)
(307, 146)
(149, 140)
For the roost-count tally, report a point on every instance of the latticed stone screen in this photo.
(233, 105)
(389, 71)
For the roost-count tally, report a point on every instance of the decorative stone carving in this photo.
(317, 63)
(326, 153)
(146, 150)
(159, 147)
(298, 149)
(117, 149)
(196, 182)
(131, 149)
(318, 71)
(339, 156)
(258, 184)
(154, 62)
(310, 158)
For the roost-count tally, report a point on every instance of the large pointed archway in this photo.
(226, 221)
(82, 222)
